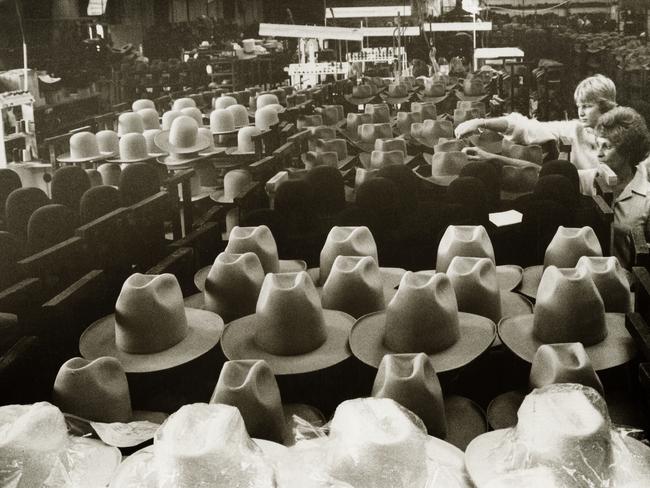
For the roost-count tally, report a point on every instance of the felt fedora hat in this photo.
(473, 241)
(249, 385)
(568, 245)
(96, 393)
(181, 161)
(181, 103)
(431, 131)
(234, 182)
(321, 132)
(162, 335)
(245, 143)
(517, 181)
(296, 99)
(404, 121)
(240, 115)
(266, 118)
(133, 149)
(446, 166)
(168, 118)
(150, 118)
(423, 317)
(332, 114)
(380, 112)
(290, 329)
(461, 115)
(394, 144)
(434, 92)
(466, 105)
(83, 149)
(141, 104)
(489, 141)
(264, 99)
(361, 175)
(339, 146)
(427, 110)
(353, 122)
(477, 290)
(553, 363)
(532, 153)
(569, 309)
(361, 94)
(36, 450)
(260, 241)
(128, 122)
(379, 159)
(211, 150)
(222, 121)
(312, 159)
(611, 280)
(224, 101)
(182, 138)
(230, 286)
(565, 427)
(396, 94)
(412, 381)
(449, 145)
(110, 173)
(108, 142)
(369, 133)
(201, 445)
(195, 113)
(473, 90)
(305, 121)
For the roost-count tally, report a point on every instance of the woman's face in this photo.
(588, 113)
(607, 154)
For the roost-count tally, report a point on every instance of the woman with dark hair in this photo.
(623, 144)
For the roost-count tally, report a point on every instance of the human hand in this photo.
(477, 154)
(467, 127)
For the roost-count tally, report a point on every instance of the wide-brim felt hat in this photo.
(234, 150)
(359, 101)
(390, 278)
(476, 335)
(395, 100)
(171, 160)
(615, 349)
(364, 159)
(470, 98)
(203, 333)
(66, 158)
(286, 266)
(238, 342)
(126, 161)
(429, 98)
(162, 141)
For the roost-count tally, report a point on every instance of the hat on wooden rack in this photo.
(108, 142)
(83, 149)
(380, 112)
(182, 138)
(150, 118)
(240, 115)
(129, 122)
(222, 121)
(133, 149)
(223, 102)
(168, 118)
(141, 104)
(182, 103)
(266, 118)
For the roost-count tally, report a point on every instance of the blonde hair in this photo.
(597, 89)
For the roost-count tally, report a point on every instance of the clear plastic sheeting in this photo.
(36, 451)
(564, 439)
(373, 443)
(199, 446)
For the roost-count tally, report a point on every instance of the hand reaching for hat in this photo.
(467, 127)
(477, 154)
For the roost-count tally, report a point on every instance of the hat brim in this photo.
(486, 455)
(219, 196)
(234, 150)
(470, 98)
(476, 335)
(66, 158)
(364, 159)
(530, 279)
(358, 101)
(286, 266)
(212, 152)
(238, 342)
(127, 161)
(616, 349)
(90, 461)
(396, 101)
(203, 333)
(162, 141)
(170, 160)
(139, 468)
(435, 100)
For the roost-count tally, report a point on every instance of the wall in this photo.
(138, 15)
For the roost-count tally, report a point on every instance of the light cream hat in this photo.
(133, 149)
(195, 113)
(339, 146)
(168, 118)
(245, 143)
(110, 173)
(108, 142)
(222, 121)
(182, 138)
(129, 122)
(240, 115)
(430, 131)
(234, 182)
(141, 104)
(446, 166)
(332, 114)
(311, 159)
(150, 118)
(182, 103)
(223, 102)
(266, 117)
(369, 133)
(162, 335)
(423, 317)
(305, 121)
(449, 145)
(380, 112)
(83, 148)
(611, 281)
(353, 122)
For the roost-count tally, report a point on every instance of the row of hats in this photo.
(369, 443)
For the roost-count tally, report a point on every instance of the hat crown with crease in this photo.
(563, 363)
(469, 105)
(305, 121)
(461, 115)
(149, 314)
(519, 179)
(223, 102)
(258, 240)
(390, 145)
(141, 104)
(449, 145)
(133, 147)
(361, 91)
(569, 244)
(372, 132)
(397, 91)
(423, 314)
(94, 390)
(411, 380)
(266, 117)
(222, 120)
(289, 315)
(405, 119)
(83, 145)
(354, 286)
(568, 308)
(182, 103)
(233, 285)
(346, 241)
(339, 146)
(354, 121)
(379, 111)
(245, 143)
(169, 117)
(207, 445)
(435, 89)
(265, 99)
(322, 132)
(377, 443)
(476, 286)
(427, 110)
(489, 140)
(129, 122)
(195, 113)
(108, 141)
(610, 280)
(250, 386)
(240, 115)
(150, 119)
(331, 114)
(463, 240)
(379, 159)
(321, 158)
(432, 130)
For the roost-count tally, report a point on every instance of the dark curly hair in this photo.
(626, 130)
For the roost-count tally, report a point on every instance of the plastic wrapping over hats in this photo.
(430, 131)
(133, 149)
(240, 115)
(569, 309)
(108, 142)
(195, 113)
(423, 317)
(405, 119)
(223, 102)
(169, 117)
(473, 241)
(141, 104)
(427, 110)
(260, 241)
(380, 112)
(568, 245)
(305, 121)
(150, 119)
(162, 335)
(83, 148)
(566, 428)
(290, 330)
(266, 117)
(129, 122)
(182, 103)
(611, 281)
(35, 450)
(222, 121)
(183, 137)
(199, 445)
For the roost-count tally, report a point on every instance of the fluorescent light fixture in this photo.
(311, 31)
(360, 12)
